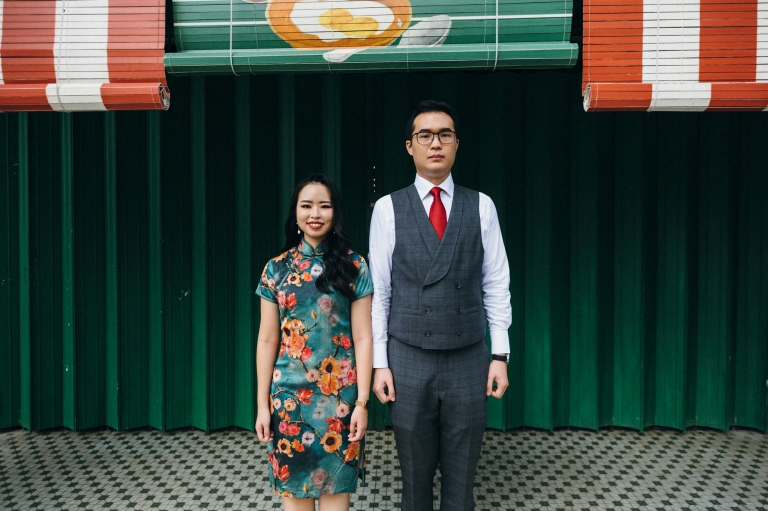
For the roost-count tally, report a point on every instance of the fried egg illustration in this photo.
(333, 24)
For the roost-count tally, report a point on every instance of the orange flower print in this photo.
(281, 256)
(294, 279)
(294, 337)
(334, 424)
(329, 384)
(297, 446)
(306, 277)
(283, 474)
(304, 395)
(331, 366)
(286, 301)
(331, 442)
(356, 263)
(289, 404)
(352, 451)
(284, 447)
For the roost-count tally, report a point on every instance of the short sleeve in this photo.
(363, 283)
(266, 288)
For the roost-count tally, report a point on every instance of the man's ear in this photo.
(409, 147)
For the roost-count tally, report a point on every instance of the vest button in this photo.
(426, 287)
(427, 310)
(427, 334)
(458, 310)
(458, 333)
(458, 286)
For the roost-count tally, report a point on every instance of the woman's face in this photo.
(314, 213)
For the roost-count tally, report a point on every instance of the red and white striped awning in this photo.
(82, 55)
(675, 55)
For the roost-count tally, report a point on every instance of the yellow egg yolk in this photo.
(342, 20)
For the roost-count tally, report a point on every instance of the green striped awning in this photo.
(278, 36)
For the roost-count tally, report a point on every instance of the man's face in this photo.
(434, 160)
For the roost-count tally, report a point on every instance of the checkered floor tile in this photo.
(524, 469)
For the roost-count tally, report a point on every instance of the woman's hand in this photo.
(358, 424)
(263, 420)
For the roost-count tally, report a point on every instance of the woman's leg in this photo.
(292, 504)
(335, 502)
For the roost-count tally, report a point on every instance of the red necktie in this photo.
(437, 213)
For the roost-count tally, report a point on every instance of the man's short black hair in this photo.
(427, 106)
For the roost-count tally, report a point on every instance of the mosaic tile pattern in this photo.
(525, 469)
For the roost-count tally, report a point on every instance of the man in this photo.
(439, 271)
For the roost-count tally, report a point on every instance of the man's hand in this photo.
(383, 384)
(497, 372)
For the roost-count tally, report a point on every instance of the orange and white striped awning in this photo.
(675, 55)
(82, 55)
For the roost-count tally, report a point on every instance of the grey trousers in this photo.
(439, 419)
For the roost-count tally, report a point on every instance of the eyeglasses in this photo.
(426, 137)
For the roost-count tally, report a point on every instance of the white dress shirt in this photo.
(496, 296)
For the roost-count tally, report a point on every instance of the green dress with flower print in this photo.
(314, 384)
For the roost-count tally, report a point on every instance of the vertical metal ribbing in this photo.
(287, 149)
(155, 269)
(111, 295)
(199, 261)
(68, 273)
(332, 129)
(25, 338)
(244, 297)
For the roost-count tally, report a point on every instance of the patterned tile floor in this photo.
(524, 469)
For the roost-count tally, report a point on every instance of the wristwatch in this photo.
(364, 404)
(501, 358)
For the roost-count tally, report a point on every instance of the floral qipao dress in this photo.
(314, 384)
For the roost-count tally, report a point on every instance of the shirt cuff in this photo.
(499, 342)
(380, 355)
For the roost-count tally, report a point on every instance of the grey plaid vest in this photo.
(437, 292)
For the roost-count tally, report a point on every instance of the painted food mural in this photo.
(278, 36)
(351, 24)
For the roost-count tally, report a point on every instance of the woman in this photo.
(314, 354)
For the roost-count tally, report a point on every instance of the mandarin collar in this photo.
(307, 250)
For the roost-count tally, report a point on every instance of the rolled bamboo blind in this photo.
(82, 55)
(675, 55)
(277, 36)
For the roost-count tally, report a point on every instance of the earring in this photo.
(298, 231)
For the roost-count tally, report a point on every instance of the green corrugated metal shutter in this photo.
(279, 36)
(638, 249)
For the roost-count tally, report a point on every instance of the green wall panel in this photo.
(42, 355)
(9, 274)
(131, 239)
(638, 247)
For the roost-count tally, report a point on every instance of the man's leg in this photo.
(414, 416)
(463, 377)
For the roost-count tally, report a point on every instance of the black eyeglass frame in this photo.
(435, 133)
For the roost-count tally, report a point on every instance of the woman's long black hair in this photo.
(340, 271)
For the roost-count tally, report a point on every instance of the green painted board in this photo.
(389, 35)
